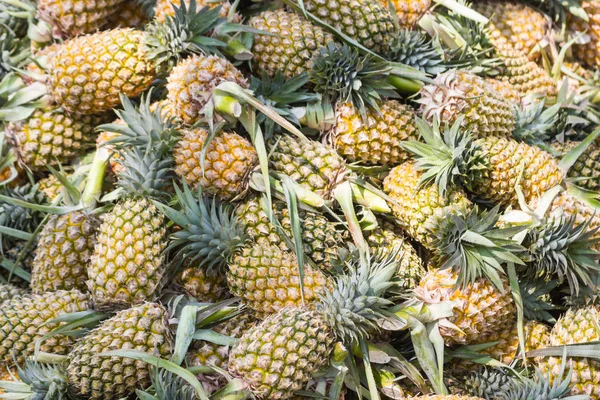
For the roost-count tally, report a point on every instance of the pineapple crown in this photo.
(14, 51)
(534, 123)
(209, 233)
(168, 386)
(537, 302)
(342, 74)
(145, 174)
(447, 159)
(39, 381)
(18, 217)
(417, 50)
(355, 308)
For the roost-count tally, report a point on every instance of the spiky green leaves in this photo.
(17, 217)
(209, 232)
(415, 49)
(38, 381)
(355, 307)
(342, 74)
(448, 158)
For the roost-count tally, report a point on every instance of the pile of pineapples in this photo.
(330, 199)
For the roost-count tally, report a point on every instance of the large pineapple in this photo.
(64, 248)
(226, 167)
(588, 53)
(456, 94)
(143, 328)
(294, 42)
(304, 337)
(24, 320)
(76, 17)
(192, 81)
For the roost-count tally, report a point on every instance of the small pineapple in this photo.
(64, 248)
(24, 320)
(143, 328)
(294, 43)
(203, 285)
(228, 161)
(587, 53)
(76, 17)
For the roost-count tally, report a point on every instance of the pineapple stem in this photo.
(227, 105)
(237, 50)
(343, 195)
(368, 199)
(403, 85)
(93, 187)
(49, 358)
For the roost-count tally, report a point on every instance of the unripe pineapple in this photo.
(192, 81)
(375, 141)
(228, 162)
(409, 11)
(127, 265)
(524, 75)
(8, 291)
(64, 249)
(267, 278)
(479, 309)
(415, 207)
(143, 328)
(209, 286)
(51, 136)
(90, 82)
(321, 240)
(576, 326)
(165, 7)
(294, 43)
(586, 166)
(513, 23)
(368, 22)
(588, 53)
(457, 94)
(24, 320)
(76, 17)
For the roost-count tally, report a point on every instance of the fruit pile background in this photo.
(330, 199)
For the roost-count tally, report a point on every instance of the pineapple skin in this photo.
(587, 165)
(88, 73)
(77, 17)
(457, 94)
(576, 326)
(8, 291)
(202, 285)
(536, 333)
(51, 136)
(192, 81)
(144, 328)
(23, 321)
(377, 140)
(524, 75)
(129, 15)
(367, 21)
(321, 240)
(414, 207)
(505, 89)
(588, 53)
(64, 248)
(409, 11)
(279, 355)
(293, 47)
(267, 279)
(127, 266)
(228, 162)
(480, 309)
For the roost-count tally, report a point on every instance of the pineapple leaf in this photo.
(185, 333)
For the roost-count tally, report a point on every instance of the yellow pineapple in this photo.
(76, 17)
(587, 53)
(409, 11)
(203, 285)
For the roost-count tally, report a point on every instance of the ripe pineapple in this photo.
(456, 94)
(24, 320)
(51, 136)
(375, 140)
(8, 291)
(143, 328)
(321, 240)
(536, 337)
(228, 162)
(576, 326)
(292, 47)
(479, 309)
(587, 165)
(505, 89)
(409, 11)
(192, 81)
(514, 23)
(587, 53)
(165, 7)
(203, 285)
(304, 338)
(367, 21)
(72, 18)
(64, 248)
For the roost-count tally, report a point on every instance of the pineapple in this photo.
(321, 240)
(165, 7)
(479, 309)
(456, 94)
(228, 162)
(367, 21)
(24, 320)
(587, 53)
(514, 23)
(409, 11)
(8, 291)
(129, 15)
(505, 89)
(203, 285)
(294, 43)
(72, 18)
(143, 328)
(192, 81)
(586, 170)
(64, 248)
(376, 139)
(536, 337)
(576, 326)
(281, 354)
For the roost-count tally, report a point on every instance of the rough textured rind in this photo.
(77, 17)
(409, 11)
(586, 166)
(588, 53)
(202, 285)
